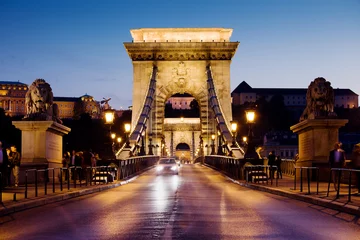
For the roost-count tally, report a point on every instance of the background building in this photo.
(12, 100)
(180, 101)
(293, 97)
(12, 97)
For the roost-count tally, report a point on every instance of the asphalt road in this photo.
(199, 203)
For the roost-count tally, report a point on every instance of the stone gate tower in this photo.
(167, 61)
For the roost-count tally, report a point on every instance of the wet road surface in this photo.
(199, 203)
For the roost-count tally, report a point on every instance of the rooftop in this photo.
(12, 83)
(243, 87)
(181, 34)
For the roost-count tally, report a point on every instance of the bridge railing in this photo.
(228, 165)
(38, 182)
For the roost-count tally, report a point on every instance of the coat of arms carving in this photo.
(180, 76)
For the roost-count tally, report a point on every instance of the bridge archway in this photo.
(174, 60)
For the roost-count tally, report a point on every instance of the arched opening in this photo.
(183, 152)
(182, 105)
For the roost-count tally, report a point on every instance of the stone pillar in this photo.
(316, 140)
(41, 142)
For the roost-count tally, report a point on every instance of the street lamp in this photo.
(212, 144)
(109, 115)
(250, 118)
(233, 130)
(127, 127)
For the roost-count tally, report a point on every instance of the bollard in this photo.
(36, 183)
(53, 180)
(26, 183)
(308, 178)
(317, 180)
(74, 176)
(45, 181)
(329, 182)
(295, 179)
(338, 188)
(301, 180)
(68, 178)
(349, 196)
(61, 183)
(1, 187)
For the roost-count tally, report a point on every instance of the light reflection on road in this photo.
(164, 188)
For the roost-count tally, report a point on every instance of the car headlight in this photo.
(159, 168)
(174, 168)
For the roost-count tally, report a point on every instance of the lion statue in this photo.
(319, 100)
(39, 103)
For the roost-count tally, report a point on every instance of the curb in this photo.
(343, 207)
(41, 201)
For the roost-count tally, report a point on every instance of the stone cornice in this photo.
(170, 51)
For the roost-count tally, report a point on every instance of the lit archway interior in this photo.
(183, 152)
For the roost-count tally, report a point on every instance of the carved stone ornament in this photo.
(319, 100)
(39, 103)
(180, 76)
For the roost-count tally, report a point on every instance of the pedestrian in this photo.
(278, 165)
(356, 163)
(65, 165)
(4, 163)
(337, 160)
(271, 162)
(15, 159)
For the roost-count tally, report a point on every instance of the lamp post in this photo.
(142, 148)
(113, 136)
(109, 115)
(220, 151)
(212, 144)
(150, 145)
(127, 127)
(233, 130)
(250, 151)
(118, 141)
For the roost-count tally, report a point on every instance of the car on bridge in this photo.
(167, 165)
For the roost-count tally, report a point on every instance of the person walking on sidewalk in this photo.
(356, 163)
(14, 159)
(4, 163)
(271, 162)
(278, 165)
(337, 160)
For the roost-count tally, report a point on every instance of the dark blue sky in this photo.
(77, 45)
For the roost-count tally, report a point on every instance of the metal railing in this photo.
(338, 173)
(58, 179)
(228, 165)
(308, 176)
(256, 173)
(288, 167)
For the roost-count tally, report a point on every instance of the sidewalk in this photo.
(9, 206)
(286, 188)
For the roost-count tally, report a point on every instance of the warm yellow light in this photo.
(113, 135)
(233, 126)
(182, 119)
(244, 139)
(109, 117)
(213, 136)
(127, 127)
(219, 133)
(119, 139)
(250, 116)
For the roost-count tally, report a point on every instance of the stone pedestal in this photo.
(41, 143)
(316, 139)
